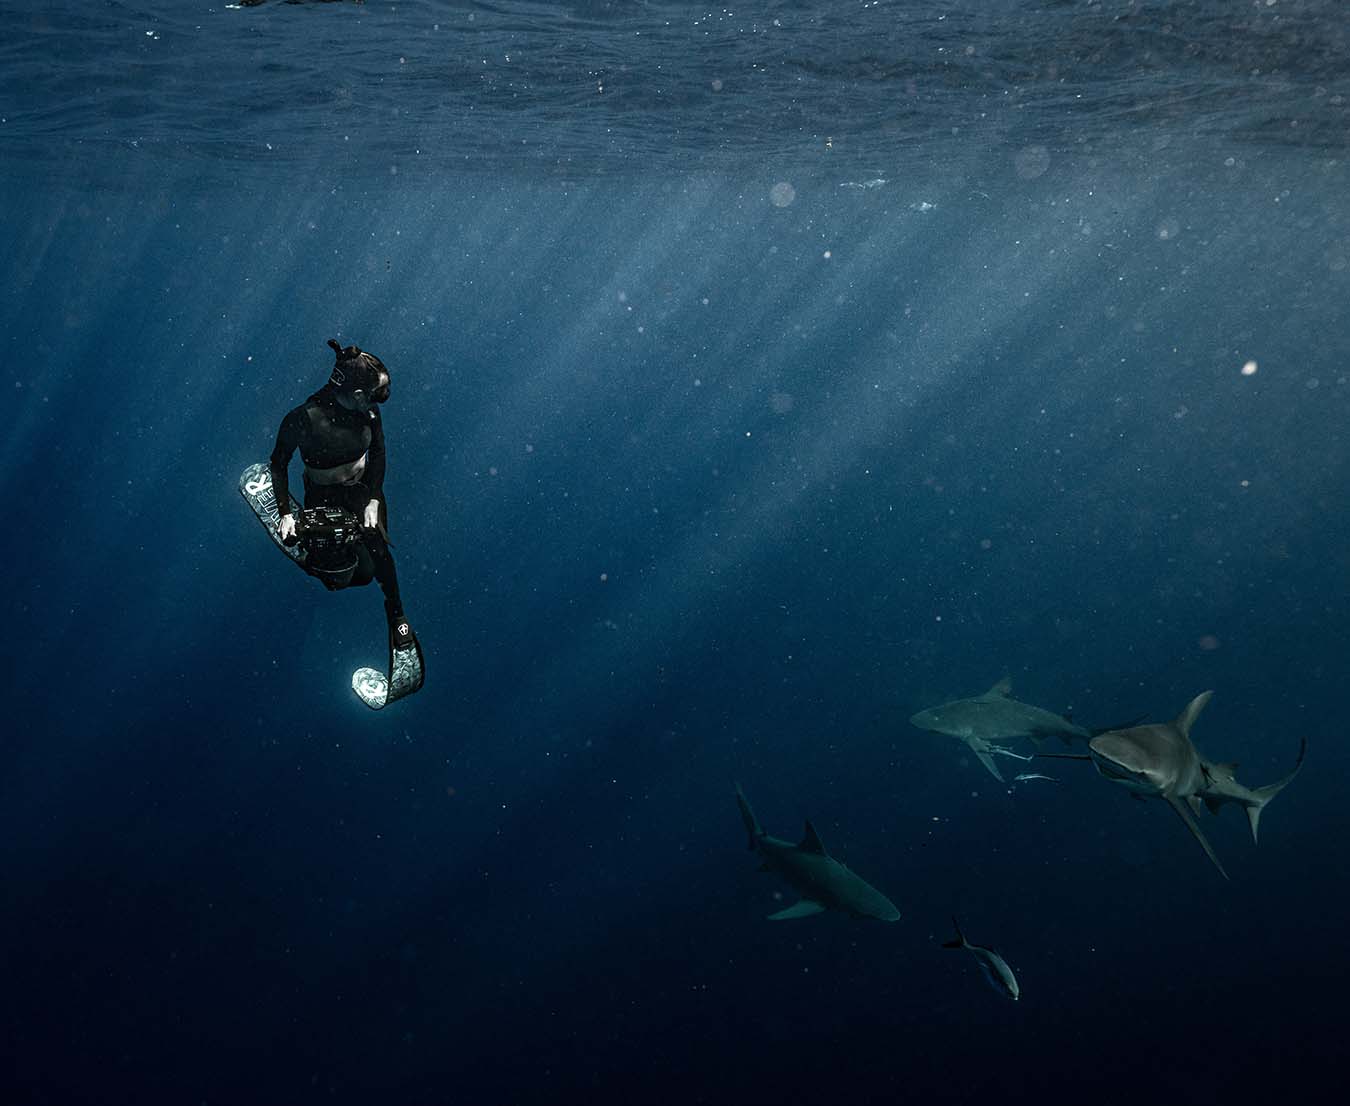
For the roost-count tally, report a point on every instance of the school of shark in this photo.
(1149, 760)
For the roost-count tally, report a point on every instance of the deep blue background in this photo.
(686, 487)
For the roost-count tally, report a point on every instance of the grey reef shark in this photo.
(823, 882)
(984, 721)
(1160, 761)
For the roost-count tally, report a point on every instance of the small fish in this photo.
(1033, 776)
(994, 967)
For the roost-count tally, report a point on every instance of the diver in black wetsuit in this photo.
(340, 435)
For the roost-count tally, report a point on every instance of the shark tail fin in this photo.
(960, 941)
(1265, 794)
(752, 826)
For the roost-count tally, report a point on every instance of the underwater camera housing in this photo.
(328, 536)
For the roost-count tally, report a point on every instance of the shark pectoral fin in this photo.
(1183, 812)
(988, 762)
(1196, 805)
(802, 909)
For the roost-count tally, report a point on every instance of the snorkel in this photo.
(358, 376)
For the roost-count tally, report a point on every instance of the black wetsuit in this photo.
(327, 435)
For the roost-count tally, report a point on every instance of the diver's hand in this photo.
(372, 517)
(286, 527)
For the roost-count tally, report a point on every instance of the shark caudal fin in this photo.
(960, 941)
(752, 826)
(1265, 794)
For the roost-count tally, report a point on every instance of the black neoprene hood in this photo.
(354, 368)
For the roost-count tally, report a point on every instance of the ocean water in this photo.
(761, 375)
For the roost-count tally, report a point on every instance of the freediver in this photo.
(340, 435)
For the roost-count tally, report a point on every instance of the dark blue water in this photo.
(760, 376)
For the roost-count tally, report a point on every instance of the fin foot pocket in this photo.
(405, 673)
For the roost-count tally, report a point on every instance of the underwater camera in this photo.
(328, 536)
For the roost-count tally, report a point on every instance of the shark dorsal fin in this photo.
(810, 842)
(1186, 719)
(1000, 689)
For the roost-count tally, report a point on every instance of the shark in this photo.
(822, 881)
(1160, 761)
(995, 969)
(985, 720)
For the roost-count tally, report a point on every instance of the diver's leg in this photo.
(382, 562)
(365, 567)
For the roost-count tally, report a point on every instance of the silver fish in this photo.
(994, 967)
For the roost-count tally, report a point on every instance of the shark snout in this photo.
(1110, 769)
(1117, 759)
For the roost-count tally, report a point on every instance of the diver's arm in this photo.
(288, 440)
(375, 459)
(374, 479)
